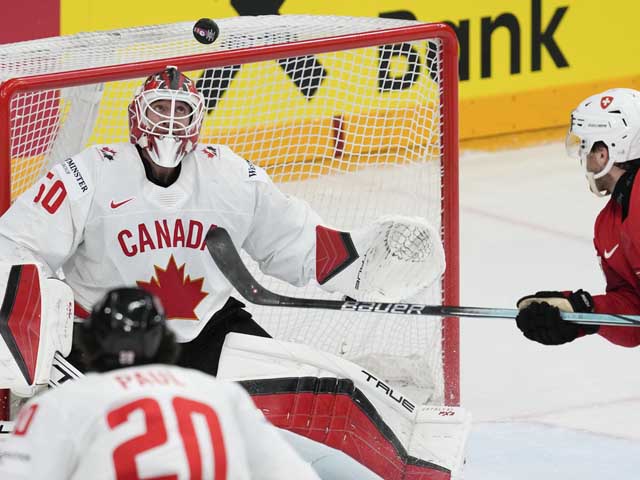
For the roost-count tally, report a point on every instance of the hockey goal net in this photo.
(356, 115)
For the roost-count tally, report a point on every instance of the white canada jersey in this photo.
(155, 421)
(98, 217)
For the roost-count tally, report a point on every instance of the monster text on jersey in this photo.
(71, 168)
(163, 234)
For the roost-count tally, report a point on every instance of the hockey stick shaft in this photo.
(226, 257)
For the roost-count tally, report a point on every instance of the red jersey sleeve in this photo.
(619, 301)
(617, 247)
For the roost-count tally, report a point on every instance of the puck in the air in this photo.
(206, 31)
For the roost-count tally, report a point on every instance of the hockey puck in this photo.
(206, 31)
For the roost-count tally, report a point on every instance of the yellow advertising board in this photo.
(524, 64)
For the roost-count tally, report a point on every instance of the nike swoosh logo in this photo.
(607, 254)
(115, 205)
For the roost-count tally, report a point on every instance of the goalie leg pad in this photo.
(335, 402)
(36, 320)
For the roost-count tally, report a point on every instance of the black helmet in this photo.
(127, 327)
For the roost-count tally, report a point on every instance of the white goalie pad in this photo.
(388, 261)
(337, 403)
(36, 320)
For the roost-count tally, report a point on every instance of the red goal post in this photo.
(363, 108)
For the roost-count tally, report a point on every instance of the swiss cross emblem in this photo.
(606, 101)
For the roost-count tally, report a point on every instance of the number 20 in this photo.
(156, 435)
(56, 193)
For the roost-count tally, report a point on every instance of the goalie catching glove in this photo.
(539, 317)
(388, 261)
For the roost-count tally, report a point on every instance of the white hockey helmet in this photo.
(611, 117)
(171, 137)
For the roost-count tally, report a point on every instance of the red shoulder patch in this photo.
(210, 151)
(108, 153)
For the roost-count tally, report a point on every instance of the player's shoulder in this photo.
(623, 204)
(222, 160)
(96, 157)
(84, 171)
(114, 152)
(105, 153)
(70, 393)
(630, 199)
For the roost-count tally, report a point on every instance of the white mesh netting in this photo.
(357, 132)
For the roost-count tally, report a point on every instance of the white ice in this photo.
(558, 412)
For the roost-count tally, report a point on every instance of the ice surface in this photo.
(560, 412)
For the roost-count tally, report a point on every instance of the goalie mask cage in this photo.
(358, 116)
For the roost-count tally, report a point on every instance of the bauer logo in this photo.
(373, 307)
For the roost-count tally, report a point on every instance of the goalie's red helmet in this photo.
(127, 327)
(171, 132)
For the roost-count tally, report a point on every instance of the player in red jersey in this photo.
(605, 136)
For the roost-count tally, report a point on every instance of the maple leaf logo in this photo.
(179, 294)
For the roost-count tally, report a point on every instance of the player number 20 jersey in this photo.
(155, 421)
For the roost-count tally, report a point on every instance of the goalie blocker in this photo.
(36, 321)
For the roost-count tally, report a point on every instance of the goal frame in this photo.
(448, 133)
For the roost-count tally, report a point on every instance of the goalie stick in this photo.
(226, 257)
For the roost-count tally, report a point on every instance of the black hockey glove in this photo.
(539, 317)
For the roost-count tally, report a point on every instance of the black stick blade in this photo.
(227, 259)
